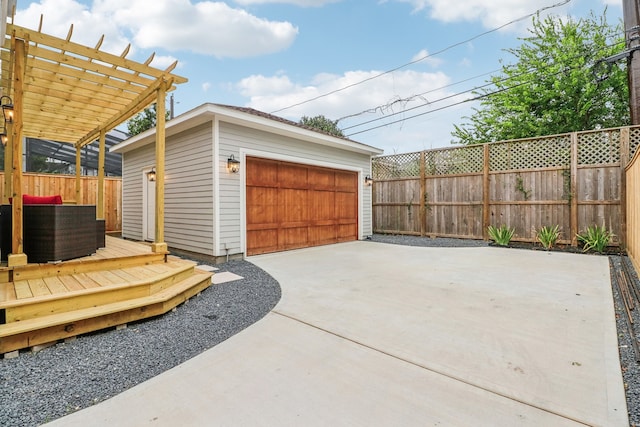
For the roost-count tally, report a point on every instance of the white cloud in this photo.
(205, 27)
(302, 3)
(423, 57)
(492, 13)
(206, 86)
(378, 98)
(88, 27)
(164, 61)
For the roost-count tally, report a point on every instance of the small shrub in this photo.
(501, 235)
(596, 238)
(548, 236)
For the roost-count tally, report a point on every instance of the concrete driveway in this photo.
(376, 334)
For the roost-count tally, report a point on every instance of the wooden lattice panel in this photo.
(634, 141)
(526, 154)
(599, 147)
(396, 166)
(454, 161)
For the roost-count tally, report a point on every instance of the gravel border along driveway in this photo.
(39, 387)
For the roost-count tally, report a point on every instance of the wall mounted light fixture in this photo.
(7, 108)
(233, 165)
(151, 175)
(368, 181)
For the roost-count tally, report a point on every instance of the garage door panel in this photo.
(293, 238)
(302, 206)
(322, 179)
(262, 172)
(293, 176)
(262, 241)
(323, 234)
(292, 205)
(321, 205)
(346, 181)
(263, 209)
(346, 207)
(345, 232)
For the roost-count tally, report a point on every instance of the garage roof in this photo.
(73, 92)
(250, 118)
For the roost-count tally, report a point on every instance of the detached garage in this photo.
(242, 182)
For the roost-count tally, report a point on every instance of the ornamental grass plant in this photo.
(501, 235)
(548, 236)
(595, 238)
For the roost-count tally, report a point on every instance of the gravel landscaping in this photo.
(39, 387)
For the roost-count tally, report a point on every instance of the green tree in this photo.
(144, 120)
(322, 124)
(553, 87)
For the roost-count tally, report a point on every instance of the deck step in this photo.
(27, 333)
(116, 285)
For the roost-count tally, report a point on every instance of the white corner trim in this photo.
(216, 187)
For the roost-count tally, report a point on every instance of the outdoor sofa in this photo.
(53, 231)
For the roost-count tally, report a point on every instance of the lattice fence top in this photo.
(594, 148)
(599, 147)
(396, 166)
(452, 161)
(545, 152)
(634, 141)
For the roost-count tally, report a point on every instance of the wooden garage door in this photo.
(292, 206)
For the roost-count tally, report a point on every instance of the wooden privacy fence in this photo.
(633, 210)
(65, 185)
(571, 180)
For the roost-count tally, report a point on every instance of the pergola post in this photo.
(159, 245)
(8, 167)
(101, 155)
(17, 255)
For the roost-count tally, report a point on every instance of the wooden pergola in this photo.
(67, 92)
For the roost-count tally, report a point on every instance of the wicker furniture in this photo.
(54, 232)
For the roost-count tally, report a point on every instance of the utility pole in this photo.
(631, 12)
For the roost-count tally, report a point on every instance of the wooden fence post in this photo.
(423, 193)
(624, 161)
(574, 189)
(486, 207)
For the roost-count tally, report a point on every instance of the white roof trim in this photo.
(206, 112)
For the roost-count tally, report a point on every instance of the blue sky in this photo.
(285, 56)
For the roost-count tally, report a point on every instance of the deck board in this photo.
(71, 283)
(7, 292)
(102, 278)
(38, 287)
(86, 281)
(55, 285)
(22, 289)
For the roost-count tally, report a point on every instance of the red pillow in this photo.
(41, 200)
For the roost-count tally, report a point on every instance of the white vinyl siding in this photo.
(235, 139)
(133, 165)
(189, 199)
(188, 205)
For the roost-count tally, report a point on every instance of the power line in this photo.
(419, 95)
(562, 3)
(476, 98)
(412, 97)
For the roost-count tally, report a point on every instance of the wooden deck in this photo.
(124, 282)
